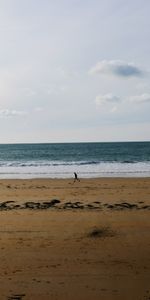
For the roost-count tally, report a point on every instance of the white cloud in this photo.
(117, 68)
(108, 98)
(11, 113)
(140, 98)
(112, 99)
(114, 109)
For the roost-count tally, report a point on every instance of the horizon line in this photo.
(75, 142)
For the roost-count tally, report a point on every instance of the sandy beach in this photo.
(88, 240)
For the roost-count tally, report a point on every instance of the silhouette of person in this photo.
(76, 177)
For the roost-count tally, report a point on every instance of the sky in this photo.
(74, 70)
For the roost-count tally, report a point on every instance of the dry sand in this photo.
(92, 244)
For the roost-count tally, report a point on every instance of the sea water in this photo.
(54, 160)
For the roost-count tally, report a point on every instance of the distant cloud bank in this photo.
(117, 68)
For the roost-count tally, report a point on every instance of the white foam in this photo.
(44, 170)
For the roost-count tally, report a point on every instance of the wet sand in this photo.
(87, 240)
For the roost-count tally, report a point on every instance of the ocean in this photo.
(88, 160)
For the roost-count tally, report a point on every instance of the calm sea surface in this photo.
(130, 159)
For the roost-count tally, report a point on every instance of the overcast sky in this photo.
(74, 70)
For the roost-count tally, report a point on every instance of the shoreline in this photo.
(72, 178)
(136, 174)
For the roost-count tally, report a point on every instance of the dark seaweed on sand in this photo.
(102, 232)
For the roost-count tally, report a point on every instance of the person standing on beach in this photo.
(76, 177)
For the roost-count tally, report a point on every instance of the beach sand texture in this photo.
(88, 240)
